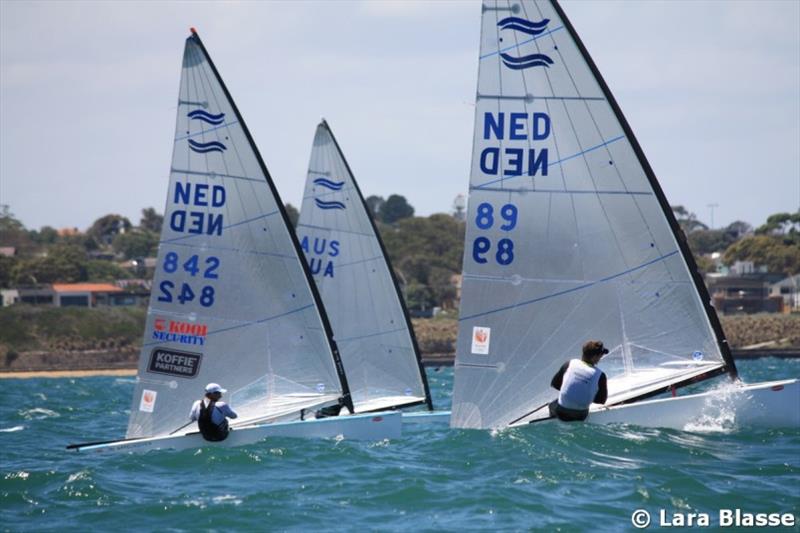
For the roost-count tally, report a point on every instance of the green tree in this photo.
(374, 204)
(427, 251)
(46, 235)
(151, 220)
(293, 214)
(781, 224)
(63, 263)
(395, 208)
(97, 270)
(13, 233)
(776, 252)
(7, 265)
(136, 244)
(687, 220)
(106, 228)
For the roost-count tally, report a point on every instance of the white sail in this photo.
(569, 236)
(357, 286)
(231, 301)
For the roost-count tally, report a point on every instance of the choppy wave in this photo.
(572, 477)
(12, 429)
(38, 413)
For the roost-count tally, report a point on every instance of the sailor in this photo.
(212, 415)
(580, 383)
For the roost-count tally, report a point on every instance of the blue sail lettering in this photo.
(196, 222)
(489, 123)
(199, 197)
(514, 162)
(319, 247)
(519, 128)
(328, 270)
(334, 249)
(490, 160)
(304, 243)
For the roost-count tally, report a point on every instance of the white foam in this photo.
(12, 430)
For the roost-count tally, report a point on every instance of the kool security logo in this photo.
(529, 28)
(166, 330)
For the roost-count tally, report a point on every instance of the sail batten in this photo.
(352, 270)
(582, 245)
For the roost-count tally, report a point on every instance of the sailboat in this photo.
(570, 237)
(358, 286)
(232, 300)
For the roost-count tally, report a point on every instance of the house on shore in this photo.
(78, 294)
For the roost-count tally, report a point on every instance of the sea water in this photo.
(556, 477)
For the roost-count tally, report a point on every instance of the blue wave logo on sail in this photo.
(329, 205)
(525, 26)
(328, 184)
(205, 116)
(520, 63)
(529, 28)
(204, 148)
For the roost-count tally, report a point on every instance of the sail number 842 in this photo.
(192, 267)
(485, 219)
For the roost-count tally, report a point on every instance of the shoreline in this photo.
(433, 361)
(68, 373)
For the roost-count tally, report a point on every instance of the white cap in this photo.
(214, 387)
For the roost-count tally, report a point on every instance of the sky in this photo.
(88, 95)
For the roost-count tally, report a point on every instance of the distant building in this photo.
(85, 294)
(789, 290)
(745, 294)
(78, 294)
(68, 232)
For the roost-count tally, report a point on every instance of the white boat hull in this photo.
(774, 404)
(372, 426)
(427, 417)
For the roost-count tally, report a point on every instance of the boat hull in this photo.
(427, 417)
(774, 404)
(373, 426)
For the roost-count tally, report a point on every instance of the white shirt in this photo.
(580, 385)
(218, 415)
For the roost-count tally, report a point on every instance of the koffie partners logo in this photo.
(165, 330)
(174, 363)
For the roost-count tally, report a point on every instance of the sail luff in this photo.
(428, 401)
(677, 232)
(293, 237)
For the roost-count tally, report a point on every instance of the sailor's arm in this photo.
(558, 379)
(194, 414)
(602, 390)
(228, 412)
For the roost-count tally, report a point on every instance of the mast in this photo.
(680, 237)
(423, 376)
(348, 402)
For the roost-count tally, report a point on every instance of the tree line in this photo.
(426, 252)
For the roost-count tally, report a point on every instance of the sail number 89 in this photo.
(485, 219)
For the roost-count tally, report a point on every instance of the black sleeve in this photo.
(602, 390)
(559, 377)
